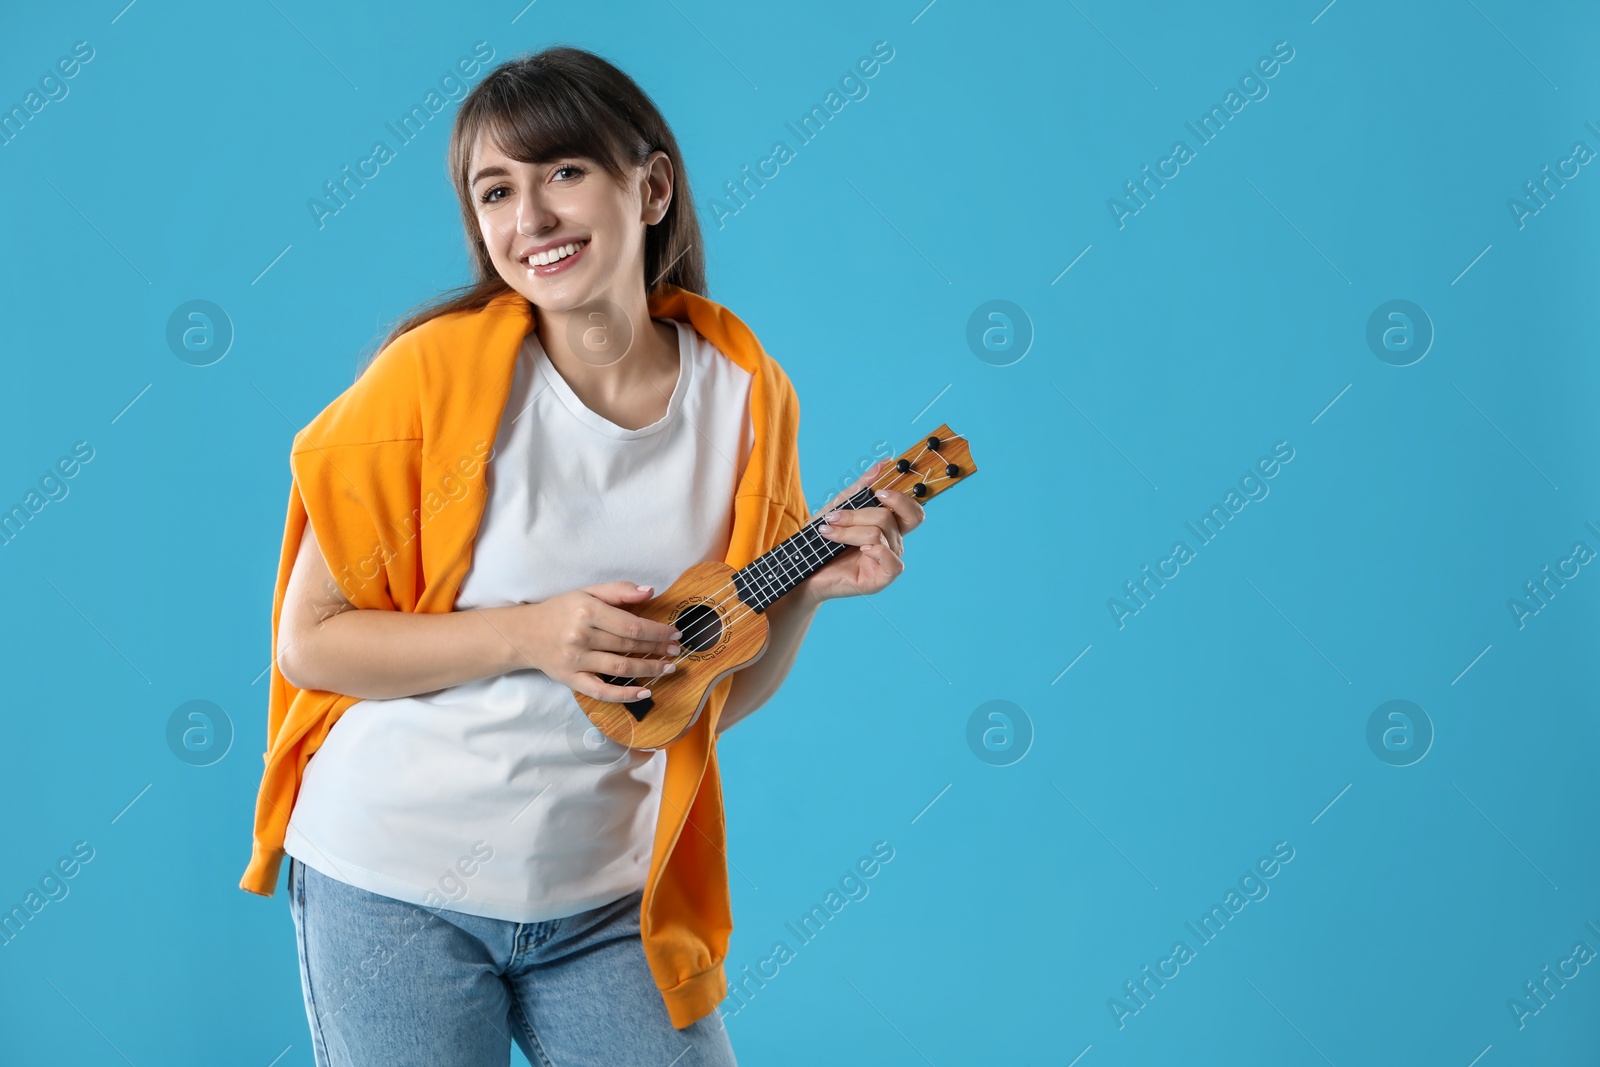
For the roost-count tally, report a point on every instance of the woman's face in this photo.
(563, 233)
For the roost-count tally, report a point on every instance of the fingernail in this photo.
(825, 530)
(670, 668)
(832, 515)
(882, 494)
(644, 589)
(676, 635)
(673, 649)
(643, 693)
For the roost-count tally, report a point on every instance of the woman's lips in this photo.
(561, 264)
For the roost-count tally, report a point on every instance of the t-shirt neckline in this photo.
(597, 422)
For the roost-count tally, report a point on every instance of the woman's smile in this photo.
(555, 259)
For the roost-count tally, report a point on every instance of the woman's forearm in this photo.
(788, 620)
(376, 654)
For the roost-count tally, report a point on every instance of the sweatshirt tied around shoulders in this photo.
(391, 476)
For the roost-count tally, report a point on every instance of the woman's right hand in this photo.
(576, 636)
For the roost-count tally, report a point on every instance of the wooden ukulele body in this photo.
(721, 634)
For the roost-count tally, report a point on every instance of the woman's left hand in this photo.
(878, 531)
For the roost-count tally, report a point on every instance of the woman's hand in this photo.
(578, 635)
(878, 532)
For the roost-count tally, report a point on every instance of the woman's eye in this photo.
(489, 197)
(571, 167)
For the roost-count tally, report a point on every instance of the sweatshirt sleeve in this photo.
(357, 478)
(355, 474)
(788, 493)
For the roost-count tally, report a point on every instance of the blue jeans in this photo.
(389, 984)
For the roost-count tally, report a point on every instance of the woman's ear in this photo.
(657, 187)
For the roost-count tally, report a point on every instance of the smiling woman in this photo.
(638, 428)
(530, 144)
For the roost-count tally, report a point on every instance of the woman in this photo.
(471, 862)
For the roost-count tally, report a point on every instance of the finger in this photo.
(892, 562)
(882, 518)
(606, 641)
(590, 684)
(905, 509)
(852, 535)
(642, 668)
(900, 512)
(877, 524)
(879, 520)
(618, 592)
(647, 635)
(867, 478)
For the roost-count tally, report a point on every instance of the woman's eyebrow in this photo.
(488, 172)
(496, 170)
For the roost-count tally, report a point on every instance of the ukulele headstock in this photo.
(929, 467)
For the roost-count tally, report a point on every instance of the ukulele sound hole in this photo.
(701, 627)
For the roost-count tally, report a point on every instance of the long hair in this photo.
(564, 101)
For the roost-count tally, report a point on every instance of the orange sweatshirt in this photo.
(391, 476)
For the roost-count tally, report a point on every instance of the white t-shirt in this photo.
(497, 797)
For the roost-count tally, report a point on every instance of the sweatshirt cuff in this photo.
(696, 996)
(261, 876)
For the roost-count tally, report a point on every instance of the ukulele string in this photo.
(925, 481)
(748, 609)
(843, 505)
(716, 619)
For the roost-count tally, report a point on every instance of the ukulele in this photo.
(720, 610)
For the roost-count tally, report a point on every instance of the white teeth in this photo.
(544, 259)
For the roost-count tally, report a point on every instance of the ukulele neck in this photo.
(923, 471)
(762, 581)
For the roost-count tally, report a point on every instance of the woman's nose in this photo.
(531, 216)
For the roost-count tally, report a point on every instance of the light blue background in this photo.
(1229, 314)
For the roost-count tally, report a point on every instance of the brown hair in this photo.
(564, 101)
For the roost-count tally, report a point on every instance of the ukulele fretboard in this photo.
(924, 471)
(794, 559)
